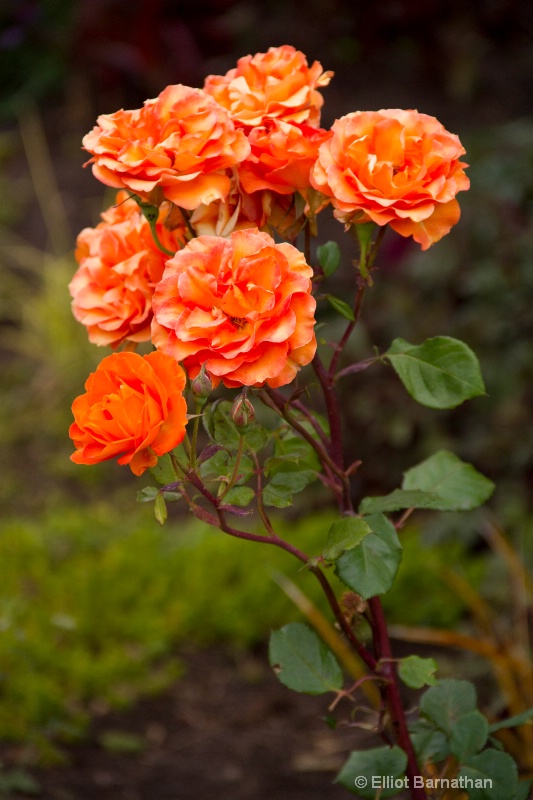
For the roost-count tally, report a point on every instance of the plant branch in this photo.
(235, 474)
(278, 403)
(187, 220)
(272, 538)
(345, 626)
(260, 505)
(334, 418)
(158, 243)
(310, 418)
(283, 402)
(341, 344)
(392, 694)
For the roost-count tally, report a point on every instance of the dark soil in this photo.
(227, 729)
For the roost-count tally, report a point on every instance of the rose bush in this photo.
(278, 83)
(237, 308)
(393, 167)
(181, 143)
(133, 409)
(119, 266)
(242, 306)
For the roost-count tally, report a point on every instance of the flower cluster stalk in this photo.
(382, 662)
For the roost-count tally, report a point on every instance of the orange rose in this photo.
(182, 141)
(281, 158)
(266, 210)
(241, 306)
(133, 408)
(225, 216)
(119, 265)
(279, 165)
(393, 167)
(278, 84)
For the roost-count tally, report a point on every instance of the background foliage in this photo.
(81, 576)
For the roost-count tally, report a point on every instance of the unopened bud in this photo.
(202, 386)
(242, 413)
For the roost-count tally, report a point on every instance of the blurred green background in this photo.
(94, 596)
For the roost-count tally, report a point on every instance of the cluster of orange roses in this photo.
(226, 167)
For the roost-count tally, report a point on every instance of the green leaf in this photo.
(446, 702)
(329, 257)
(219, 425)
(302, 660)
(292, 449)
(370, 568)
(523, 790)
(512, 722)
(366, 771)
(278, 463)
(295, 449)
(398, 500)
(164, 471)
(280, 489)
(440, 373)
(255, 437)
(491, 775)
(430, 744)
(160, 509)
(239, 496)
(147, 495)
(345, 534)
(172, 497)
(417, 672)
(469, 735)
(222, 464)
(341, 307)
(459, 486)
(276, 497)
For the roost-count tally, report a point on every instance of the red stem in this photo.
(312, 420)
(364, 654)
(392, 694)
(275, 400)
(282, 403)
(334, 419)
(382, 647)
(275, 540)
(348, 332)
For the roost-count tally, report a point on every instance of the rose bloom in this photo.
(133, 408)
(223, 217)
(182, 142)
(277, 84)
(282, 156)
(119, 265)
(241, 306)
(269, 211)
(393, 167)
(262, 195)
